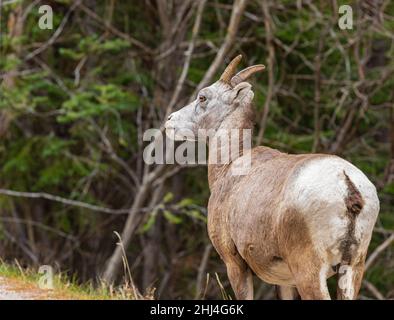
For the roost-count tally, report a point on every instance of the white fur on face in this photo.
(221, 100)
(182, 123)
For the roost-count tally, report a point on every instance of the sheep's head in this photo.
(214, 103)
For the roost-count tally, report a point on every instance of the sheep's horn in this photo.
(230, 70)
(246, 73)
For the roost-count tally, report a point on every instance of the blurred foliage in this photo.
(92, 83)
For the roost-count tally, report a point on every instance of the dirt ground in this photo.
(16, 289)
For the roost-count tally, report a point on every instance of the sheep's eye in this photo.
(202, 98)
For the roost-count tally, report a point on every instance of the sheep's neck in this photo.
(223, 143)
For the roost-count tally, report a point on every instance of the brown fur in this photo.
(354, 204)
(230, 208)
(354, 201)
(246, 214)
(257, 221)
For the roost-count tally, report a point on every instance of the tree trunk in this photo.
(113, 265)
(15, 29)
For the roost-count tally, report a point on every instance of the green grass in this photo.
(64, 287)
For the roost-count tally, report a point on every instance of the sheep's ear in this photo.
(237, 88)
(246, 73)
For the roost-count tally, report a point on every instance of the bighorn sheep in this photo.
(293, 220)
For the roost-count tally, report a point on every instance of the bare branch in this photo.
(55, 35)
(378, 251)
(373, 290)
(188, 57)
(115, 31)
(202, 268)
(268, 23)
(75, 203)
(236, 14)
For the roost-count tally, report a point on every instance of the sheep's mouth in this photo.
(179, 134)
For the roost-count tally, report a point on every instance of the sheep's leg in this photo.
(287, 293)
(310, 275)
(241, 278)
(349, 281)
(312, 286)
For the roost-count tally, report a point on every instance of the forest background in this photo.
(76, 100)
